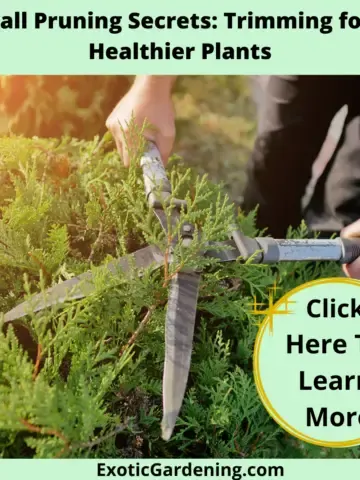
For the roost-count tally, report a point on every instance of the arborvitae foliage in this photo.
(53, 105)
(82, 380)
(215, 118)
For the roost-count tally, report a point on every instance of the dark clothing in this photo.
(294, 117)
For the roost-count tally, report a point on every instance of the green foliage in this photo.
(54, 105)
(215, 118)
(216, 126)
(72, 383)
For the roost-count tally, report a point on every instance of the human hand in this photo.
(148, 101)
(352, 270)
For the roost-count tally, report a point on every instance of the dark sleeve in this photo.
(294, 115)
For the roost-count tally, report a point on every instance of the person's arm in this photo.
(352, 231)
(155, 83)
(149, 99)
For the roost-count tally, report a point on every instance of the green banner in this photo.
(194, 469)
(187, 37)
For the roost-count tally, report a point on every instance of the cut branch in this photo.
(141, 326)
(37, 362)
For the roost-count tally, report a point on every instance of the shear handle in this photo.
(270, 250)
(156, 183)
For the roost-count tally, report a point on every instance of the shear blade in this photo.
(83, 285)
(179, 333)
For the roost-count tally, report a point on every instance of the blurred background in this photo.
(216, 116)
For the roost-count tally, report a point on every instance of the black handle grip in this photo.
(351, 249)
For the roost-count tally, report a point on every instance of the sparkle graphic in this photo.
(271, 310)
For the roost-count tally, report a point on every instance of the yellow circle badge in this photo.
(307, 362)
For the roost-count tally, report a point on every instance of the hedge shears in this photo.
(185, 283)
